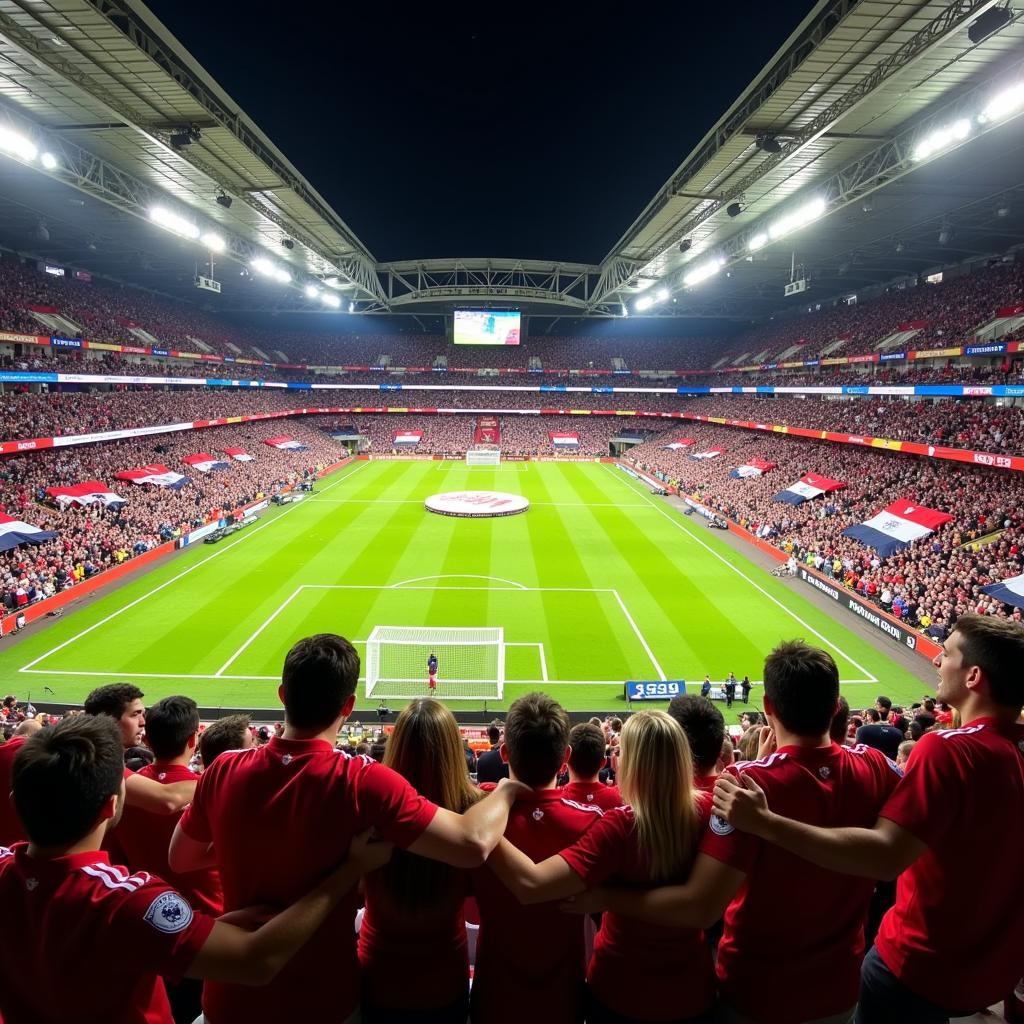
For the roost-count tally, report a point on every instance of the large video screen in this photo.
(487, 327)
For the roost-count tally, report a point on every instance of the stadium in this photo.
(713, 476)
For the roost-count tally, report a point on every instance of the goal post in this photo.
(483, 457)
(470, 662)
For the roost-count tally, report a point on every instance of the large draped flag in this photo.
(239, 454)
(711, 453)
(14, 532)
(411, 437)
(561, 439)
(1010, 591)
(91, 492)
(896, 526)
(754, 467)
(683, 442)
(810, 485)
(156, 474)
(204, 462)
(288, 443)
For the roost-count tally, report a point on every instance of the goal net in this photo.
(470, 662)
(483, 457)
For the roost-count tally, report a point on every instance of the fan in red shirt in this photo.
(704, 727)
(62, 897)
(586, 759)
(958, 811)
(530, 960)
(794, 934)
(172, 728)
(11, 829)
(653, 840)
(275, 817)
(414, 904)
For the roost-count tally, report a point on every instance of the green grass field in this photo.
(598, 582)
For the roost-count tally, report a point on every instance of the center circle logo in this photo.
(476, 504)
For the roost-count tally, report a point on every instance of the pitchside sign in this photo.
(664, 689)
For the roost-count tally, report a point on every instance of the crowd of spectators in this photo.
(928, 584)
(95, 538)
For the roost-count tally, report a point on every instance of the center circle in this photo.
(476, 504)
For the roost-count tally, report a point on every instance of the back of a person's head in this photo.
(63, 776)
(112, 699)
(704, 727)
(884, 705)
(996, 646)
(320, 675)
(588, 750)
(840, 725)
(536, 735)
(493, 733)
(227, 733)
(904, 749)
(802, 684)
(655, 776)
(170, 724)
(28, 728)
(872, 716)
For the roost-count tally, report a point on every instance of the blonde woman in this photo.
(649, 842)
(412, 944)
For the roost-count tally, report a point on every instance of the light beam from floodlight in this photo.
(49, 161)
(213, 242)
(331, 300)
(942, 138)
(17, 144)
(703, 272)
(1003, 104)
(173, 222)
(311, 291)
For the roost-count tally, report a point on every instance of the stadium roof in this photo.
(133, 120)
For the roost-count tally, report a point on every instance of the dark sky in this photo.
(531, 131)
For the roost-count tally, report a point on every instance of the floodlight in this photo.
(661, 295)
(171, 221)
(331, 300)
(49, 161)
(281, 275)
(759, 241)
(263, 266)
(1003, 104)
(703, 272)
(644, 283)
(645, 303)
(942, 138)
(799, 218)
(17, 144)
(311, 291)
(988, 23)
(213, 242)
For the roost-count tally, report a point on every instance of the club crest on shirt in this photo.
(824, 771)
(287, 759)
(720, 826)
(169, 913)
(537, 814)
(31, 883)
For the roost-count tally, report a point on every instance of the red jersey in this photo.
(137, 927)
(705, 783)
(794, 927)
(963, 796)
(530, 960)
(669, 970)
(392, 942)
(144, 839)
(596, 793)
(11, 829)
(281, 816)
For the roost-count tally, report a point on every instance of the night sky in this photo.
(530, 131)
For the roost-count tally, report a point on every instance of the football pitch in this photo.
(597, 583)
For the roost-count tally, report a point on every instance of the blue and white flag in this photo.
(897, 526)
(15, 531)
(1010, 591)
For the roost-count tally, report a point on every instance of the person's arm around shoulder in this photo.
(150, 795)
(466, 840)
(235, 955)
(551, 879)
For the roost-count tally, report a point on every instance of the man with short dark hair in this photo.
(878, 732)
(123, 703)
(143, 838)
(794, 934)
(490, 766)
(704, 726)
(67, 898)
(233, 732)
(529, 959)
(883, 705)
(963, 793)
(586, 760)
(273, 818)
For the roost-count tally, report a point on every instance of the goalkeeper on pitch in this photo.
(432, 673)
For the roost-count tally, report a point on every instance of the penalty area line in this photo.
(251, 532)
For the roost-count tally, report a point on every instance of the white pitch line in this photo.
(640, 636)
(512, 584)
(739, 572)
(174, 579)
(273, 615)
(533, 504)
(543, 664)
(519, 588)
